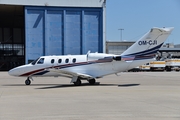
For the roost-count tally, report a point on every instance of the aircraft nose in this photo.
(13, 72)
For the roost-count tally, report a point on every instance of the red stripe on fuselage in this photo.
(32, 72)
(67, 65)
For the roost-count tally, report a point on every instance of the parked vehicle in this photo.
(157, 66)
(173, 64)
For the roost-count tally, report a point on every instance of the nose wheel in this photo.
(28, 81)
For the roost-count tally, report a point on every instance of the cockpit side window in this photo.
(41, 61)
(34, 62)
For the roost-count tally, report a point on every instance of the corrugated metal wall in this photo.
(61, 31)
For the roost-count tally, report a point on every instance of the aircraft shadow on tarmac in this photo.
(72, 85)
(86, 84)
(128, 85)
(51, 86)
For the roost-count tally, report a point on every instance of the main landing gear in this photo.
(28, 81)
(78, 82)
(92, 81)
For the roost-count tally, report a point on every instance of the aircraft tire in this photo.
(92, 81)
(27, 82)
(78, 82)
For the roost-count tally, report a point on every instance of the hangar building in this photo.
(117, 47)
(33, 28)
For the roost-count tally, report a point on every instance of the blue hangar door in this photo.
(62, 31)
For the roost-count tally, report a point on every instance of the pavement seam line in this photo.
(1, 94)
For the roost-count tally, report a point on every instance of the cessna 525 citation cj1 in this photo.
(95, 65)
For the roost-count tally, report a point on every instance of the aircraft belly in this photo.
(45, 74)
(95, 70)
(120, 66)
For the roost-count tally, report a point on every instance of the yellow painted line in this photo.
(172, 60)
(163, 62)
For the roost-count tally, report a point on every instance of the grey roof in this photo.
(124, 41)
(169, 50)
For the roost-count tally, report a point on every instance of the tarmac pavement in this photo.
(130, 96)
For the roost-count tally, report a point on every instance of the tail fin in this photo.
(150, 43)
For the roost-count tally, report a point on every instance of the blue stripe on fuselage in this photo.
(41, 72)
(146, 52)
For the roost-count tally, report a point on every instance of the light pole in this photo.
(121, 29)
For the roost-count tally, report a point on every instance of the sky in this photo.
(137, 17)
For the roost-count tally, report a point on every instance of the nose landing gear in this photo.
(28, 81)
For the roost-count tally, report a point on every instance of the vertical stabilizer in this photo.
(150, 43)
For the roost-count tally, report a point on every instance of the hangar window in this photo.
(60, 60)
(12, 39)
(52, 61)
(41, 61)
(67, 60)
(74, 60)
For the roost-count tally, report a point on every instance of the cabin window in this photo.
(60, 60)
(52, 61)
(41, 61)
(74, 60)
(67, 60)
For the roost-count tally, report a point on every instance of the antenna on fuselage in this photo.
(87, 55)
(88, 52)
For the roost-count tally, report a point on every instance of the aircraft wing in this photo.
(69, 74)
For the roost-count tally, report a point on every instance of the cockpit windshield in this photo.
(41, 61)
(34, 62)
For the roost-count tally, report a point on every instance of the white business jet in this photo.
(95, 65)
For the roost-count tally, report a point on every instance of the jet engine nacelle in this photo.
(117, 58)
(97, 56)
